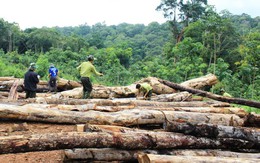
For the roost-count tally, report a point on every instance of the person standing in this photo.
(31, 79)
(86, 69)
(53, 74)
(146, 89)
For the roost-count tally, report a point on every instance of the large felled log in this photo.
(151, 158)
(198, 83)
(212, 96)
(130, 91)
(62, 84)
(111, 154)
(129, 101)
(13, 94)
(217, 131)
(94, 106)
(125, 117)
(147, 140)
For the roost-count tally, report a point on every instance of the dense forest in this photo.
(192, 43)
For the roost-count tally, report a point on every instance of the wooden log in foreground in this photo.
(212, 96)
(126, 101)
(111, 154)
(93, 106)
(121, 118)
(137, 140)
(151, 158)
(222, 133)
(217, 132)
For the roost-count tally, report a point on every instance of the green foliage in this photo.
(207, 42)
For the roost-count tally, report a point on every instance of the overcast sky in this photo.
(49, 13)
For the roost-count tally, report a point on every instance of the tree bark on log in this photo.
(93, 106)
(62, 84)
(111, 154)
(148, 140)
(125, 118)
(130, 91)
(212, 96)
(151, 158)
(217, 132)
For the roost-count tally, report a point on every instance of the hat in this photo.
(51, 65)
(32, 66)
(91, 58)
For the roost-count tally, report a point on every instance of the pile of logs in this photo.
(115, 126)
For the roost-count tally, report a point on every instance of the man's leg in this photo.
(87, 87)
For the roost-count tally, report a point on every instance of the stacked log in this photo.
(108, 129)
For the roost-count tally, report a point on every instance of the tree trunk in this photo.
(125, 117)
(147, 140)
(217, 132)
(94, 106)
(111, 154)
(151, 158)
(212, 96)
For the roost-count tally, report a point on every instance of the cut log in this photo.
(111, 154)
(217, 131)
(212, 96)
(13, 94)
(125, 117)
(148, 140)
(62, 84)
(201, 82)
(253, 120)
(151, 158)
(130, 91)
(182, 96)
(93, 106)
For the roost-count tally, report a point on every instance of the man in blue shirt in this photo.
(53, 73)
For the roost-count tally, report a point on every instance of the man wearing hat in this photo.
(31, 79)
(86, 69)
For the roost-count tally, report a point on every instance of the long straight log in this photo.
(93, 106)
(212, 96)
(124, 118)
(112, 154)
(151, 158)
(217, 132)
(118, 102)
(147, 140)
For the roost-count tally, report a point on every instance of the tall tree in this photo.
(189, 11)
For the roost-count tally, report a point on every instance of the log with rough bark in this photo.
(212, 96)
(94, 106)
(130, 91)
(13, 94)
(217, 132)
(62, 84)
(129, 101)
(201, 82)
(137, 140)
(123, 118)
(112, 154)
(151, 158)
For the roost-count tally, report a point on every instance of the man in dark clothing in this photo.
(31, 79)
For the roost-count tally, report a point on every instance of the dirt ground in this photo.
(8, 128)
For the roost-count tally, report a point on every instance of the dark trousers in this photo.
(30, 94)
(87, 87)
(52, 83)
(149, 95)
